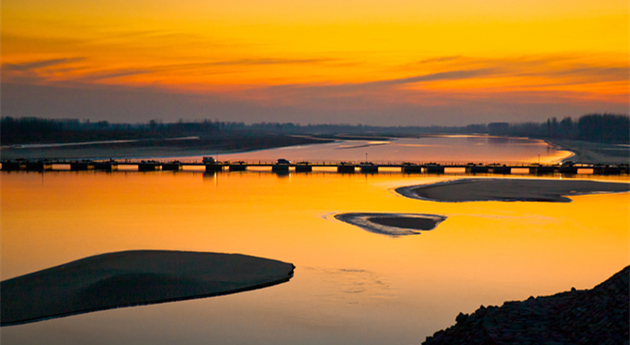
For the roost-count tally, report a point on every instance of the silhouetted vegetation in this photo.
(608, 128)
(30, 130)
(38, 130)
(605, 128)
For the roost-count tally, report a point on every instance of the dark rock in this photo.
(461, 318)
(596, 316)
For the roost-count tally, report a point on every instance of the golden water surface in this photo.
(350, 286)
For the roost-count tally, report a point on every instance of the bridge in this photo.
(305, 167)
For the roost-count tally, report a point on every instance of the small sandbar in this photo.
(509, 190)
(131, 278)
(392, 224)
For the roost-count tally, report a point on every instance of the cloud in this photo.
(33, 65)
(449, 75)
(378, 89)
(595, 73)
(267, 61)
(440, 59)
(113, 74)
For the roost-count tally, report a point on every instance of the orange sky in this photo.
(395, 62)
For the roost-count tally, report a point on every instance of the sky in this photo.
(396, 62)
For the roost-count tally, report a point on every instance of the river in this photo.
(350, 285)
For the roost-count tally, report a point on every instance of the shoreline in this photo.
(587, 152)
(162, 148)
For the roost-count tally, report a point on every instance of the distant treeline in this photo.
(30, 130)
(606, 128)
(38, 130)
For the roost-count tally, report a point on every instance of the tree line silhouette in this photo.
(605, 128)
(609, 128)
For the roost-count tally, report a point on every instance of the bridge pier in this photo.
(411, 169)
(541, 170)
(106, 166)
(502, 170)
(607, 170)
(148, 166)
(345, 169)
(569, 170)
(237, 167)
(434, 169)
(303, 168)
(211, 168)
(477, 169)
(369, 169)
(38, 166)
(174, 166)
(280, 168)
(13, 166)
(81, 166)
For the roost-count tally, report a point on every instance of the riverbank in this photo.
(596, 316)
(464, 190)
(594, 153)
(132, 278)
(158, 148)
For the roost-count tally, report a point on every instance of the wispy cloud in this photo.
(376, 87)
(449, 75)
(113, 74)
(267, 61)
(33, 65)
(440, 59)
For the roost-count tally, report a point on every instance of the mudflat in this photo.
(131, 278)
(392, 224)
(510, 190)
(152, 148)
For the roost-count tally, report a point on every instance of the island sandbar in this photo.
(130, 278)
(509, 190)
(392, 224)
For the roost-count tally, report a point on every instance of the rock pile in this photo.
(596, 316)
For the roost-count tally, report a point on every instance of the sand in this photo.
(509, 190)
(131, 278)
(392, 224)
(594, 153)
(159, 148)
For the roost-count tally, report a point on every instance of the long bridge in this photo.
(283, 166)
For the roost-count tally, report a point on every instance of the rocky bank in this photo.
(596, 316)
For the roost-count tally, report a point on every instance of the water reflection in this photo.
(440, 149)
(350, 286)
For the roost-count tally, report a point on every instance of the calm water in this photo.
(443, 149)
(350, 286)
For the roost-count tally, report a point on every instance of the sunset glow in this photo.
(469, 60)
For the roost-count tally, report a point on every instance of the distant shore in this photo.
(132, 278)
(463, 190)
(159, 148)
(592, 152)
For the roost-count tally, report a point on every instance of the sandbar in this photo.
(130, 278)
(392, 224)
(509, 190)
